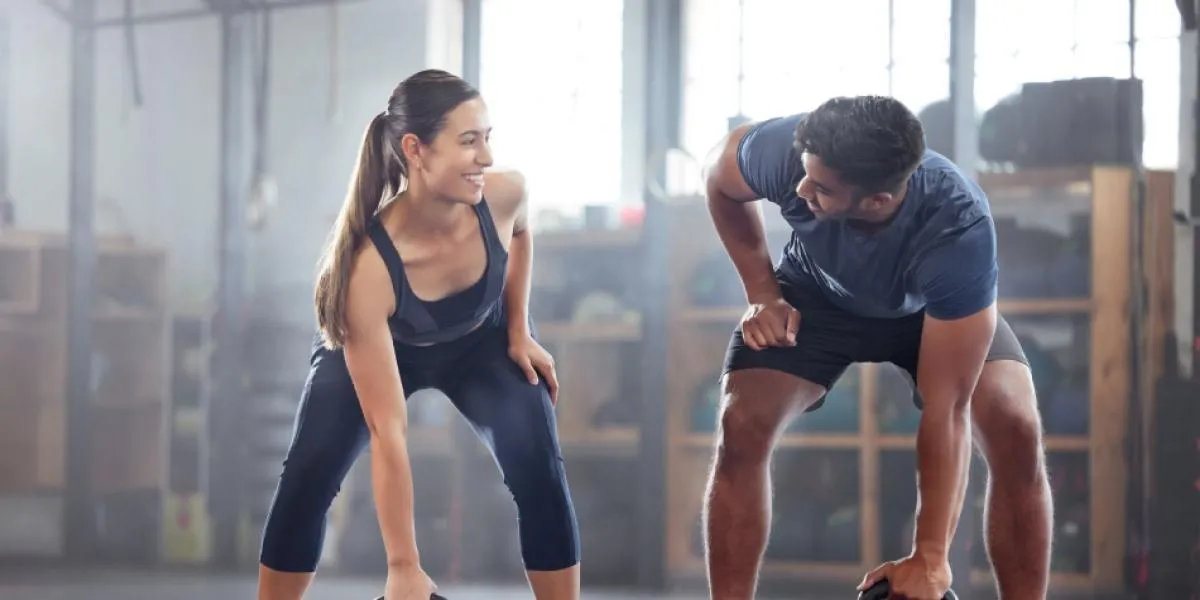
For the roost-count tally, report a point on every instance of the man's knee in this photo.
(754, 406)
(1006, 419)
(745, 435)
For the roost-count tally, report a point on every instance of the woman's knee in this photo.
(533, 470)
(546, 515)
(295, 525)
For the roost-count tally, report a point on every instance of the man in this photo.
(892, 259)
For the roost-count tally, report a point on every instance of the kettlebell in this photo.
(880, 591)
(431, 597)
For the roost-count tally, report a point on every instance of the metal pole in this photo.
(1193, 212)
(79, 522)
(5, 94)
(663, 114)
(198, 13)
(227, 406)
(472, 41)
(966, 156)
(962, 84)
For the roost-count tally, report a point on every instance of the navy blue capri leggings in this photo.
(513, 418)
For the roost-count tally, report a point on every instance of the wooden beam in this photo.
(1112, 263)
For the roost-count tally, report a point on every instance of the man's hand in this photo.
(768, 324)
(912, 578)
(533, 359)
(408, 583)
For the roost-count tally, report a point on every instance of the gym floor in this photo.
(108, 585)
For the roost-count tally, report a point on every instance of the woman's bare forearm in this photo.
(392, 483)
(517, 283)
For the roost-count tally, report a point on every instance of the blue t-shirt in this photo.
(938, 254)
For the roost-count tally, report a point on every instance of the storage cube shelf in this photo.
(1066, 252)
(129, 439)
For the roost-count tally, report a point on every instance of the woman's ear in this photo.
(410, 147)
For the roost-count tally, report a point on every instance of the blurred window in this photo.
(551, 75)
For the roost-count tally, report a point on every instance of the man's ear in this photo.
(877, 201)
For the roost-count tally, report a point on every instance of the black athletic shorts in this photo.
(830, 339)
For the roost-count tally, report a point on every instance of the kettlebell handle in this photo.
(880, 591)
(433, 596)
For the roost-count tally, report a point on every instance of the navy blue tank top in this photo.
(418, 322)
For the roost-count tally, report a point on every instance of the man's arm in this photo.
(371, 360)
(951, 359)
(739, 224)
(958, 279)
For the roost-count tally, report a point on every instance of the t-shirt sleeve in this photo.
(767, 159)
(958, 275)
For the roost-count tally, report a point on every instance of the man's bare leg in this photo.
(1020, 513)
(756, 405)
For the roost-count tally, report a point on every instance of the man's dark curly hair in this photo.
(872, 142)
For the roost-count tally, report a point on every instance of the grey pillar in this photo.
(663, 39)
(1187, 203)
(227, 405)
(966, 156)
(5, 93)
(81, 216)
(472, 35)
(962, 84)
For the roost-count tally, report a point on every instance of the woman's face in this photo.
(452, 165)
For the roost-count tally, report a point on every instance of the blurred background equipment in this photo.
(169, 172)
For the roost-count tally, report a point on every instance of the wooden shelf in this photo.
(830, 441)
(711, 315)
(131, 366)
(1006, 307)
(832, 571)
(1094, 205)
(611, 436)
(1058, 581)
(20, 268)
(1054, 443)
(617, 442)
(1055, 306)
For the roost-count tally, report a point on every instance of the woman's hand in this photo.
(410, 583)
(533, 359)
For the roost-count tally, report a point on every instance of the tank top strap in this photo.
(391, 258)
(487, 225)
(497, 267)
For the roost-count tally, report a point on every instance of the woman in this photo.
(431, 290)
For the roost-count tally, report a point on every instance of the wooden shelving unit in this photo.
(130, 375)
(1071, 305)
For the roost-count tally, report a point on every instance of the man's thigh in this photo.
(1005, 347)
(828, 341)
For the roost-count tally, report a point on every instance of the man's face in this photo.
(827, 196)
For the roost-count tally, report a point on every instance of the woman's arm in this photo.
(506, 192)
(520, 271)
(371, 359)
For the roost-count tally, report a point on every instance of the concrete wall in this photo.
(157, 165)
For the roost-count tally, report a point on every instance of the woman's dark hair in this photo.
(872, 142)
(419, 106)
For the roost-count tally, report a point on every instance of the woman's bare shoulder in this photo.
(505, 191)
